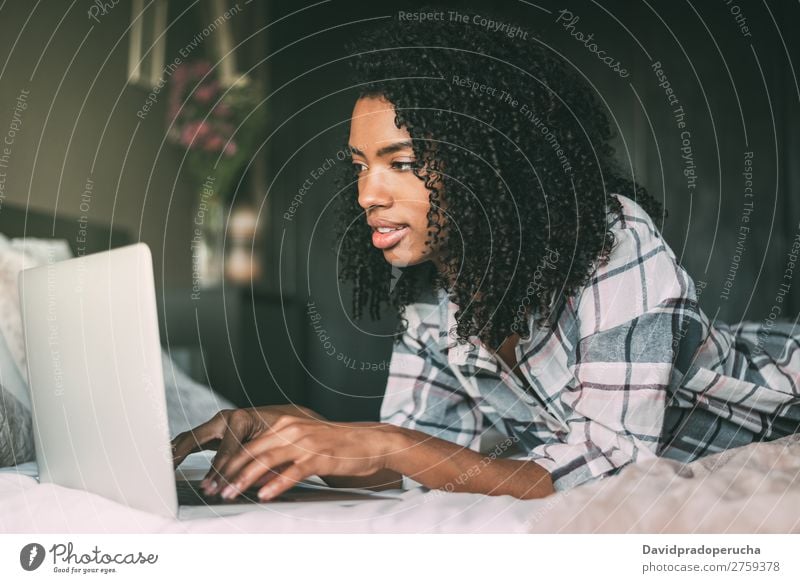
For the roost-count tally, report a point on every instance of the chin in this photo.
(401, 258)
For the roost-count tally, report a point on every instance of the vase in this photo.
(243, 262)
(208, 242)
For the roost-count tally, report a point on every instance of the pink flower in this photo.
(195, 132)
(213, 143)
(188, 133)
(201, 68)
(203, 130)
(222, 110)
(207, 92)
(230, 149)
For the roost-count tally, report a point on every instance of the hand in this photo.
(227, 431)
(292, 449)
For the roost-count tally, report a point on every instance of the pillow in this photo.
(16, 431)
(188, 403)
(15, 255)
(42, 250)
(12, 261)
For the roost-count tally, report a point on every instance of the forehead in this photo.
(372, 124)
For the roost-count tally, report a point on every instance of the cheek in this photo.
(418, 203)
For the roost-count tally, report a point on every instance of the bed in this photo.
(751, 489)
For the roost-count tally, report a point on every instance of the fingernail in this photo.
(265, 493)
(229, 491)
(212, 487)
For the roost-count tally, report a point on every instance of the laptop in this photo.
(97, 390)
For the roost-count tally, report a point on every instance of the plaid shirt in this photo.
(633, 369)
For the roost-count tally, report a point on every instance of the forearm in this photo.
(382, 480)
(440, 464)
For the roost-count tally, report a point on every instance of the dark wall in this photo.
(738, 95)
(738, 92)
(80, 128)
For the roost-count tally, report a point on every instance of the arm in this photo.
(429, 431)
(288, 443)
(442, 465)
(295, 448)
(425, 399)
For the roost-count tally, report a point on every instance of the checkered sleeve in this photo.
(628, 319)
(422, 393)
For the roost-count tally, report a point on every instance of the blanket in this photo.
(752, 489)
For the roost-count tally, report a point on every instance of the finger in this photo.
(179, 456)
(236, 433)
(262, 481)
(204, 436)
(263, 464)
(270, 475)
(197, 438)
(286, 480)
(240, 432)
(273, 438)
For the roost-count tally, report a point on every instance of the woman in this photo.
(549, 337)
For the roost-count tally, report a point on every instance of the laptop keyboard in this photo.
(191, 494)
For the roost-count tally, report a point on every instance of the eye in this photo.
(403, 166)
(358, 167)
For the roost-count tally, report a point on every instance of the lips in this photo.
(375, 222)
(386, 235)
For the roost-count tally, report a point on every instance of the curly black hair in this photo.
(523, 168)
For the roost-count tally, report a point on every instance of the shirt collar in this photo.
(475, 354)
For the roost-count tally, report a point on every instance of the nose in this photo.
(373, 189)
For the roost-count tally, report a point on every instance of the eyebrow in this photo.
(386, 150)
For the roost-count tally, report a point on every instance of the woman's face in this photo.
(396, 202)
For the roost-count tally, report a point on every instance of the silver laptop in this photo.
(97, 388)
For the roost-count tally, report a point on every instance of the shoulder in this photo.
(640, 275)
(635, 234)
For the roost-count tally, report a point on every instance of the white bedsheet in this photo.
(751, 489)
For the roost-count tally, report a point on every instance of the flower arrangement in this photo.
(218, 128)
